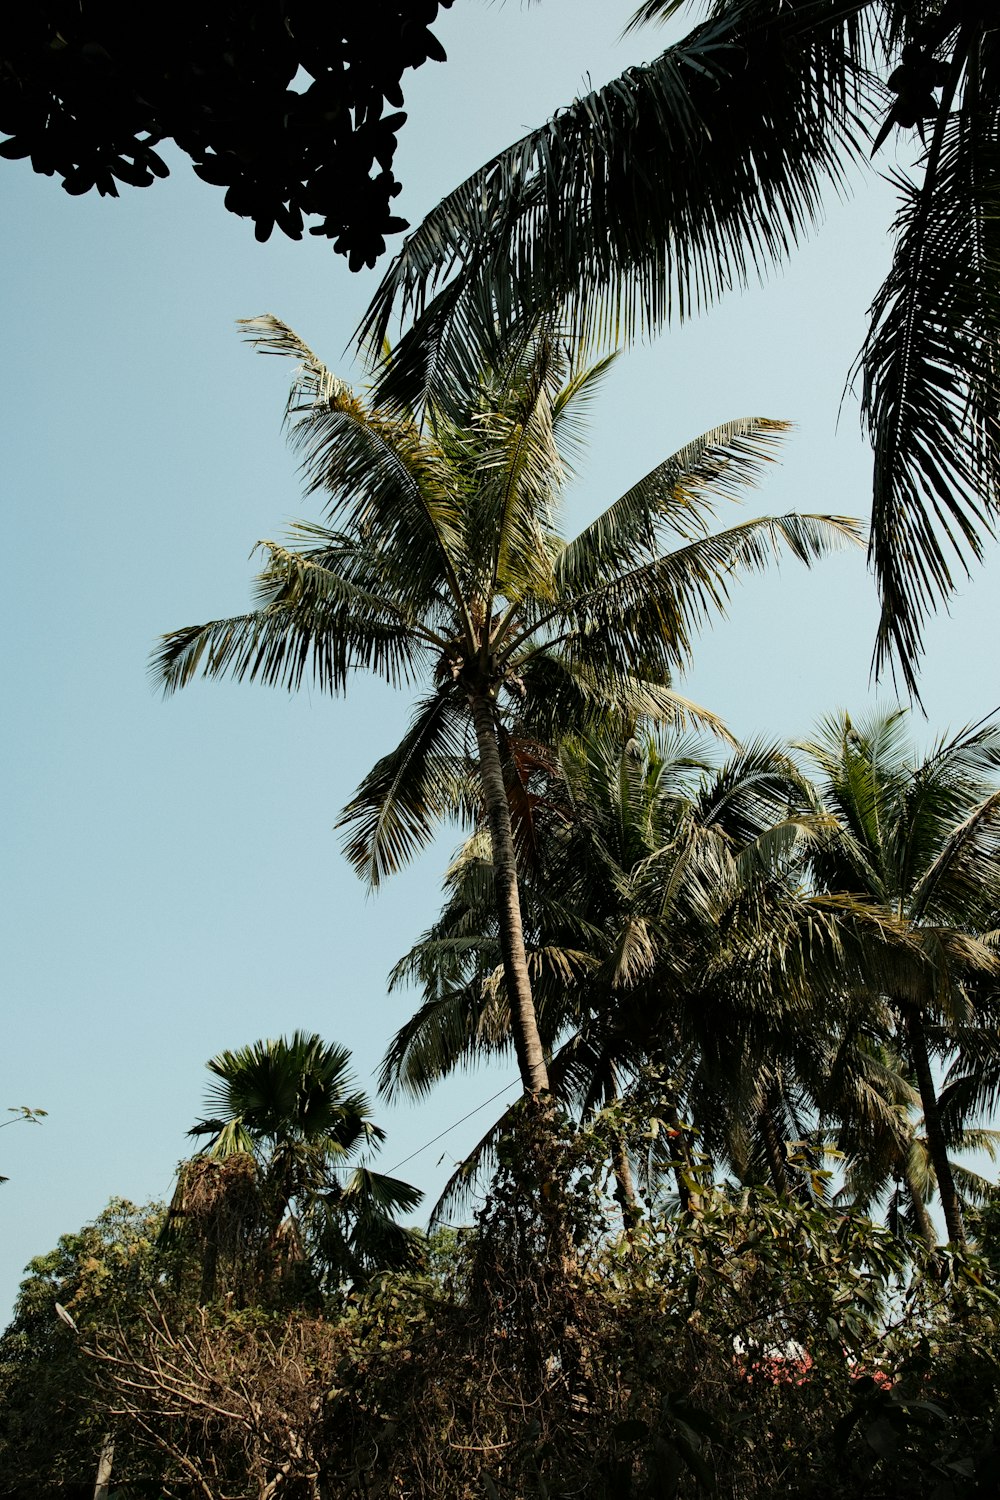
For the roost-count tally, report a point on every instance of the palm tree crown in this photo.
(442, 563)
(918, 838)
(287, 1120)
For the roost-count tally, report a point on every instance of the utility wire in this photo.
(434, 1140)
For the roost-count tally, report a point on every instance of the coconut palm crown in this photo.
(441, 564)
(919, 838)
(648, 199)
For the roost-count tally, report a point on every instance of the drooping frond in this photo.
(645, 199)
(366, 1190)
(931, 374)
(313, 382)
(650, 614)
(754, 791)
(464, 1025)
(966, 873)
(395, 810)
(565, 691)
(284, 647)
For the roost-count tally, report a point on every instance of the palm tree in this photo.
(920, 840)
(653, 196)
(442, 562)
(667, 929)
(285, 1127)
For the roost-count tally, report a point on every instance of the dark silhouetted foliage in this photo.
(281, 104)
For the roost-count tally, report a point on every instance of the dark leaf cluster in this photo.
(283, 105)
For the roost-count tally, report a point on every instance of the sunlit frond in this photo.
(651, 614)
(675, 498)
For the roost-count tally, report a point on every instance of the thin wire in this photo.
(435, 1139)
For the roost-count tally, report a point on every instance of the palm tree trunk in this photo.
(774, 1150)
(936, 1144)
(924, 1222)
(624, 1181)
(621, 1166)
(684, 1171)
(524, 1022)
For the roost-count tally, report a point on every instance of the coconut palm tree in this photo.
(280, 1165)
(441, 562)
(918, 838)
(653, 196)
(666, 927)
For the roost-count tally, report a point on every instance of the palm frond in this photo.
(565, 692)
(617, 197)
(966, 872)
(375, 466)
(677, 496)
(395, 810)
(571, 405)
(651, 614)
(313, 382)
(285, 646)
(462, 1024)
(931, 380)
(365, 1190)
(459, 1192)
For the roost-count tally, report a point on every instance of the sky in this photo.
(172, 881)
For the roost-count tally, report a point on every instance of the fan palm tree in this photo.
(442, 562)
(920, 839)
(288, 1115)
(651, 197)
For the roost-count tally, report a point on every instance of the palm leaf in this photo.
(313, 382)
(931, 383)
(376, 467)
(283, 647)
(651, 613)
(394, 812)
(568, 692)
(676, 496)
(459, 1024)
(617, 196)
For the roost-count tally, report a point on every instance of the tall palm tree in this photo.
(918, 838)
(653, 196)
(289, 1115)
(442, 562)
(666, 925)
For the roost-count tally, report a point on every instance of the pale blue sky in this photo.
(172, 884)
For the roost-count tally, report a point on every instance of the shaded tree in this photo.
(278, 1201)
(676, 956)
(52, 1426)
(920, 839)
